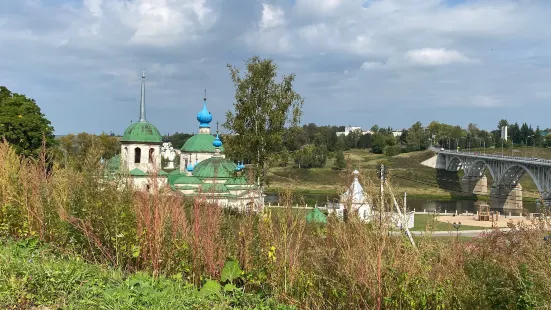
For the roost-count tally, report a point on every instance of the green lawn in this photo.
(422, 222)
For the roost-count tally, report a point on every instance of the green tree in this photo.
(178, 139)
(22, 123)
(416, 137)
(392, 150)
(378, 143)
(78, 146)
(263, 107)
(365, 141)
(340, 161)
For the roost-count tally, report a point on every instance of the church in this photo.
(204, 170)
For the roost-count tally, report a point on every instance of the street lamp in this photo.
(493, 142)
(456, 226)
(531, 137)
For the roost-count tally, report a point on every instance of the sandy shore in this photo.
(471, 220)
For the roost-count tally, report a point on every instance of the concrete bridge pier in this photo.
(475, 185)
(506, 196)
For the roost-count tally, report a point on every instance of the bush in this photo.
(32, 275)
(392, 150)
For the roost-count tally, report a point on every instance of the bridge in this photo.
(506, 171)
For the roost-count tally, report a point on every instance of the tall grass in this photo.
(341, 265)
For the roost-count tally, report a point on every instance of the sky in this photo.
(359, 63)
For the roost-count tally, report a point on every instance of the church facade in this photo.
(204, 170)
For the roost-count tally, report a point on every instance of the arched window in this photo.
(151, 151)
(137, 155)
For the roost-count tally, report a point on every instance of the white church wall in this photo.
(142, 183)
(128, 155)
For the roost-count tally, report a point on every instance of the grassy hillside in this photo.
(405, 173)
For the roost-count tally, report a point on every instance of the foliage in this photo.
(380, 141)
(77, 147)
(417, 138)
(340, 161)
(392, 150)
(310, 156)
(23, 124)
(263, 107)
(32, 276)
(177, 139)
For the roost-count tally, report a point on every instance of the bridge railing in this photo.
(525, 160)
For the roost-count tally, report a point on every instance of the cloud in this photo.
(435, 57)
(272, 16)
(390, 62)
(368, 65)
(486, 101)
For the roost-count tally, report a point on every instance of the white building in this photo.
(348, 130)
(397, 133)
(358, 202)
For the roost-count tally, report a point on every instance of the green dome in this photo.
(200, 143)
(215, 167)
(316, 216)
(142, 132)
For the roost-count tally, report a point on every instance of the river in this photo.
(417, 204)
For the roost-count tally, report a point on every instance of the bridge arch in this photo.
(477, 169)
(512, 175)
(454, 164)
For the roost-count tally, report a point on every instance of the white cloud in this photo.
(486, 101)
(272, 16)
(367, 65)
(435, 56)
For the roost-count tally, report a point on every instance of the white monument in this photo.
(169, 155)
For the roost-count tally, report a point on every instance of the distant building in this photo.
(504, 133)
(348, 130)
(397, 133)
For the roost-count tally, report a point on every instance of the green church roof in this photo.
(187, 180)
(215, 167)
(137, 172)
(114, 163)
(142, 132)
(316, 216)
(200, 143)
(214, 187)
(237, 181)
